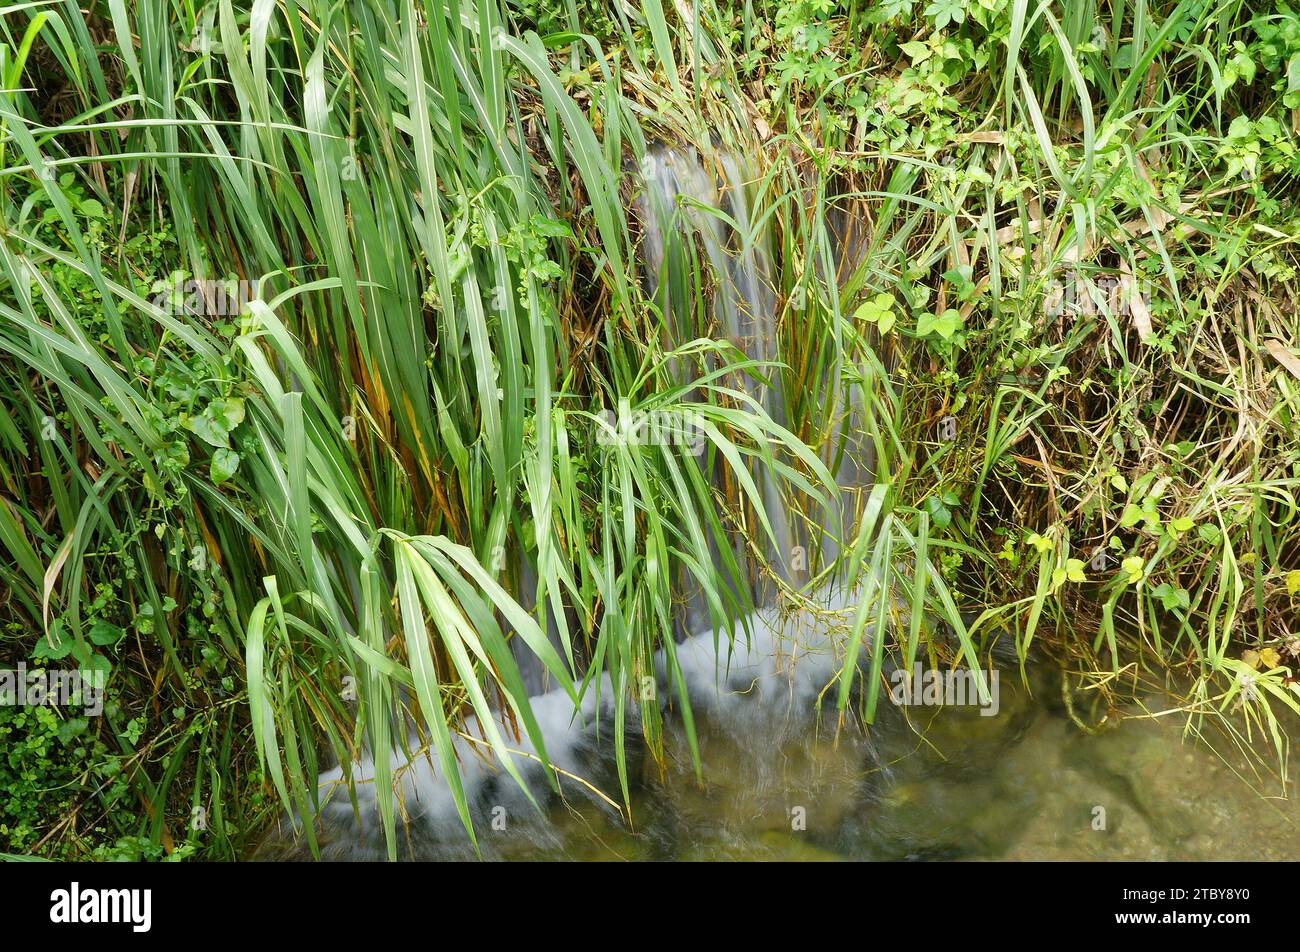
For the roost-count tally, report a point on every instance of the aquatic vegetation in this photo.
(345, 347)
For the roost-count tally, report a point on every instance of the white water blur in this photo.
(768, 677)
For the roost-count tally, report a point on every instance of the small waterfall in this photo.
(766, 685)
(763, 684)
(688, 208)
(684, 195)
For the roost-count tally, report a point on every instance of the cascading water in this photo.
(765, 685)
(767, 688)
(680, 208)
(684, 194)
